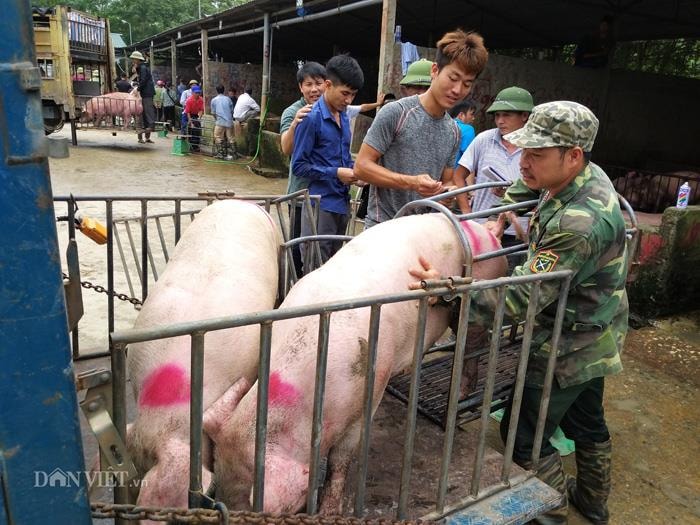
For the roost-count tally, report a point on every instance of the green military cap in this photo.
(512, 99)
(554, 124)
(418, 73)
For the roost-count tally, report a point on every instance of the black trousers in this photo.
(578, 410)
(295, 227)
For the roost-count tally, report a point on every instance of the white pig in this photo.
(225, 264)
(375, 262)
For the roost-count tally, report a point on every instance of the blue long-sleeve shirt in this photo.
(320, 148)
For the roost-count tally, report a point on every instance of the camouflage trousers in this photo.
(578, 410)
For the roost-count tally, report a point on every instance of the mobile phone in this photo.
(493, 170)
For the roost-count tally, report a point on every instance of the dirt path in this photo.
(652, 407)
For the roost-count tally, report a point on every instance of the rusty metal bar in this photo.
(488, 389)
(144, 250)
(406, 465)
(196, 412)
(453, 402)
(517, 395)
(317, 425)
(177, 219)
(368, 401)
(261, 415)
(118, 365)
(162, 239)
(549, 375)
(110, 267)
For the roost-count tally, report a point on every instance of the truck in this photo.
(76, 62)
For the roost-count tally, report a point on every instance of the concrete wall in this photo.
(666, 281)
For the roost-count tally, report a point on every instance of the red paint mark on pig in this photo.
(281, 393)
(166, 385)
(478, 244)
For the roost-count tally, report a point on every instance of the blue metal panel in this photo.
(510, 507)
(39, 429)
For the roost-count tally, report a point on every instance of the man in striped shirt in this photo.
(491, 158)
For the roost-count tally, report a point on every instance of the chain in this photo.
(133, 512)
(101, 289)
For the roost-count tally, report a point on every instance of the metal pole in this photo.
(39, 427)
(265, 62)
(196, 410)
(261, 415)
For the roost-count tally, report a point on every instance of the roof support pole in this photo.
(265, 89)
(152, 55)
(173, 62)
(386, 45)
(205, 66)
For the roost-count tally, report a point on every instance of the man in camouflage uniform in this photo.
(577, 226)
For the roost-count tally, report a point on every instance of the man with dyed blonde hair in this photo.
(410, 149)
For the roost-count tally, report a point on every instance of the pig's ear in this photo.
(220, 410)
(286, 485)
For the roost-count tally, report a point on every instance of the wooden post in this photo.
(265, 64)
(151, 56)
(386, 46)
(173, 62)
(205, 66)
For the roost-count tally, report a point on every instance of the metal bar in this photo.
(549, 375)
(220, 323)
(317, 425)
(75, 336)
(453, 402)
(118, 365)
(177, 219)
(110, 266)
(127, 272)
(412, 408)
(162, 239)
(488, 390)
(372, 340)
(261, 415)
(134, 253)
(144, 250)
(517, 394)
(196, 411)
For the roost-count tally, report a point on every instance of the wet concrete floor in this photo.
(653, 407)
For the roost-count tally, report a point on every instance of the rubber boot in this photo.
(590, 490)
(551, 472)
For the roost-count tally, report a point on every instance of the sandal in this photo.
(141, 141)
(150, 141)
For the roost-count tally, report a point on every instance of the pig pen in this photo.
(384, 481)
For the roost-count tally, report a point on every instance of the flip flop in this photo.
(150, 141)
(141, 141)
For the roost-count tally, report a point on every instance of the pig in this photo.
(375, 262)
(225, 264)
(123, 105)
(653, 193)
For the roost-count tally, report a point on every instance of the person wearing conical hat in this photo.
(147, 91)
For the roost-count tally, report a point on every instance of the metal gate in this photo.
(491, 394)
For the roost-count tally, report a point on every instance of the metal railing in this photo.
(265, 320)
(650, 191)
(142, 242)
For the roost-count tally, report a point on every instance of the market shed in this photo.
(643, 116)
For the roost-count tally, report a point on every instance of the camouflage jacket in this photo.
(581, 229)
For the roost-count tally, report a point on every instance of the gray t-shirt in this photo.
(295, 183)
(411, 142)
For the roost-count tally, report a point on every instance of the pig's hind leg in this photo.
(339, 458)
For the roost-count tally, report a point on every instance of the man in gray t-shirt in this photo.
(393, 134)
(410, 149)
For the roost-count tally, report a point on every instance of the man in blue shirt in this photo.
(463, 112)
(322, 151)
(222, 109)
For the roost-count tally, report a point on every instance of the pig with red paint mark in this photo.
(375, 262)
(124, 105)
(225, 264)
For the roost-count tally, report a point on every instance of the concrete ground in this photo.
(653, 407)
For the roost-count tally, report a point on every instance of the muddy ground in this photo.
(652, 407)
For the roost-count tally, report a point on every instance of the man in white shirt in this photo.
(246, 107)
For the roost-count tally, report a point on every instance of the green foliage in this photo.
(679, 57)
(146, 18)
